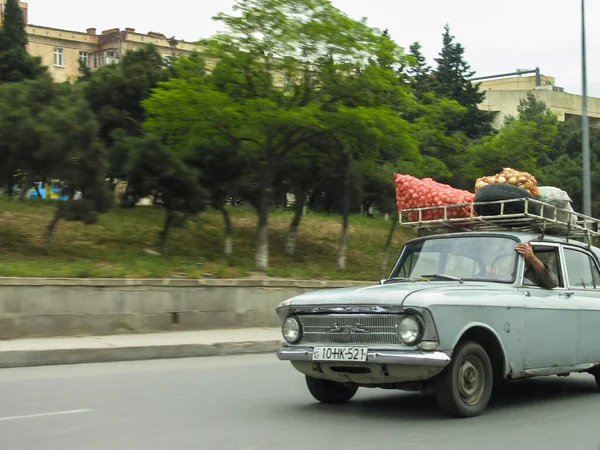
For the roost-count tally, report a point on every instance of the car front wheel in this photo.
(327, 391)
(464, 388)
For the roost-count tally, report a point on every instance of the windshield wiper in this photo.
(444, 276)
(393, 279)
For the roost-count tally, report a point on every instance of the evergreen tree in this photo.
(453, 76)
(15, 63)
(115, 93)
(422, 80)
(525, 143)
(530, 108)
(13, 34)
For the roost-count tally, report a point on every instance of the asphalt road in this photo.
(259, 403)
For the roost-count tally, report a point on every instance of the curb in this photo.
(31, 358)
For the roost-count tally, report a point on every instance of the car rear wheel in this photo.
(464, 388)
(327, 391)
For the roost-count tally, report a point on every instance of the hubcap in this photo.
(471, 380)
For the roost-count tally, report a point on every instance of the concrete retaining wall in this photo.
(69, 307)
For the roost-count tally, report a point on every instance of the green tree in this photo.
(48, 133)
(442, 148)
(563, 166)
(422, 80)
(15, 63)
(221, 169)
(177, 114)
(301, 173)
(453, 76)
(435, 117)
(523, 143)
(115, 93)
(366, 101)
(13, 34)
(85, 175)
(241, 104)
(29, 137)
(154, 171)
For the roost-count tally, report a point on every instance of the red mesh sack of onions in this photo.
(413, 192)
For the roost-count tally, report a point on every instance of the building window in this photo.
(59, 57)
(110, 57)
(105, 58)
(84, 58)
(98, 60)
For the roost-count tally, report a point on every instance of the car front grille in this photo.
(373, 329)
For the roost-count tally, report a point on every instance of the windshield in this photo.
(477, 258)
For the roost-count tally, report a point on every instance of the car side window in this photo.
(549, 256)
(595, 274)
(581, 270)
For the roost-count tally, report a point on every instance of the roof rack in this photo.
(535, 216)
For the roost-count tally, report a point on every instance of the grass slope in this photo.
(123, 242)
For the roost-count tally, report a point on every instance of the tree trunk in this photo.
(388, 243)
(26, 186)
(228, 250)
(290, 245)
(37, 189)
(345, 212)
(343, 244)
(165, 232)
(262, 242)
(50, 229)
(11, 181)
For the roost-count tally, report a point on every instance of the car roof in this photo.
(442, 222)
(519, 235)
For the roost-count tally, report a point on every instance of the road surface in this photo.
(259, 403)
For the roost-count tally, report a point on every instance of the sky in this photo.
(498, 36)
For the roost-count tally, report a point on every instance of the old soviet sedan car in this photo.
(455, 317)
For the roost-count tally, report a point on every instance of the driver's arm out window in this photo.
(549, 256)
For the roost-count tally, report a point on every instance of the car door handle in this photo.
(566, 294)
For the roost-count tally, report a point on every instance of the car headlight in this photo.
(291, 330)
(409, 330)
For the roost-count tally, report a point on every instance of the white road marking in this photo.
(56, 413)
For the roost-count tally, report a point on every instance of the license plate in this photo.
(340, 354)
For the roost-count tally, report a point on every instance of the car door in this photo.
(551, 318)
(583, 282)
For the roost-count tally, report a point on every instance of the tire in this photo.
(327, 391)
(597, 377)
(464, 388)
(496, 192)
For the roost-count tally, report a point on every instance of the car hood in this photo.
(384, 295)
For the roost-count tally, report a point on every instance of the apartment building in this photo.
(502, 97)
(62, 51)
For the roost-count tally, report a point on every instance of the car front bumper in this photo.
(432, 359)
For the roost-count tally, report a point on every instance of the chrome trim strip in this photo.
(558, 370)
(351, 309)
(410, 358)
